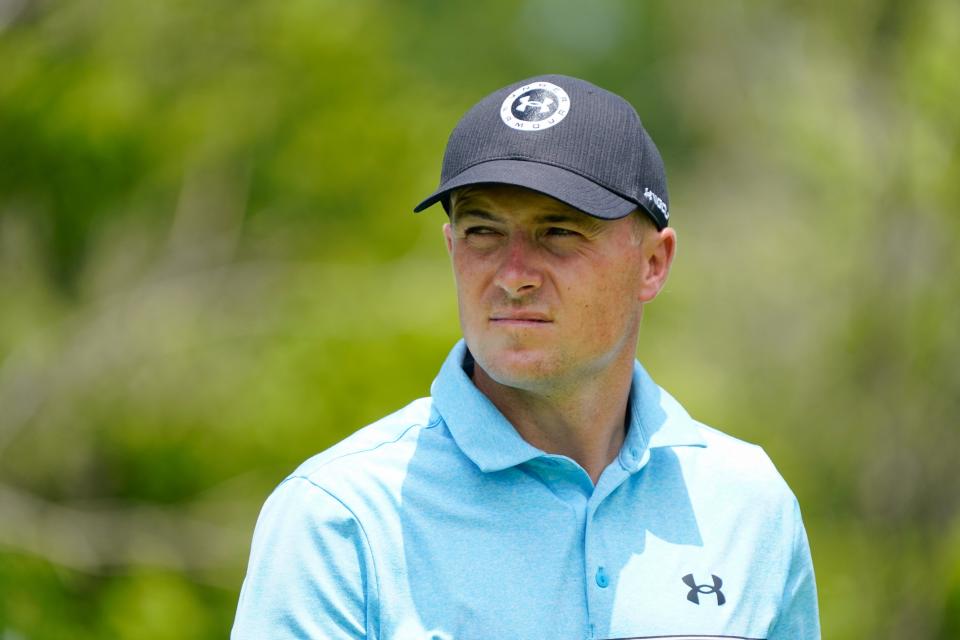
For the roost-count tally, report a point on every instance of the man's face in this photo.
(549, 295)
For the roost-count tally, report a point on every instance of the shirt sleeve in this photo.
(310, 569)
(799, 618)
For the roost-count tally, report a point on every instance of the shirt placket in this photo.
(599, 577)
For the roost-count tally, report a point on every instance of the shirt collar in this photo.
(477, 426)
(656, 420)
(491, 442)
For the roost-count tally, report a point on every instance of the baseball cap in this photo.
(563, 137)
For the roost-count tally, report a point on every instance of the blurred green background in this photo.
(209, 271)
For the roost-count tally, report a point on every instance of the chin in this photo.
(526, 369)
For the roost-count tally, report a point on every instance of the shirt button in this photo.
(601, 578)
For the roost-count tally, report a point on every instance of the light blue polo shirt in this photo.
(440, 522)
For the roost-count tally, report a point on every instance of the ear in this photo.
(659, 248)
(448, 236)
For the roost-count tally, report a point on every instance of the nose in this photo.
(519, 274)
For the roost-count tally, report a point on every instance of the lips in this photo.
(530, 317)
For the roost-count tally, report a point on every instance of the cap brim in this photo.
(566, 186)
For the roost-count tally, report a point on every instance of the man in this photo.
(548, 488)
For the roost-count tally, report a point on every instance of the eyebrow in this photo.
(459, 213)
(564, 217)
(582, 220)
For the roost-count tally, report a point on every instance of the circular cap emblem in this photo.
(535, 106)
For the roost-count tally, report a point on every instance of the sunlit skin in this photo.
(551, 301)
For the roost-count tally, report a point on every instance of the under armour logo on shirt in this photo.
(696, 590)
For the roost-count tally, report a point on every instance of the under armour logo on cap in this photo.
(543, 105)
(705, 589)
(535, 106)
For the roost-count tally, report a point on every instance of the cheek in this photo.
(469, 288)
(470, 271)
(607, 308)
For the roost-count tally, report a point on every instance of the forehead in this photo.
(511, 201)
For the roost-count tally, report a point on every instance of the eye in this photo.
(479, 231)
(481, 237)
(561, 232)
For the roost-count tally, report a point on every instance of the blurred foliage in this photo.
(209, 271)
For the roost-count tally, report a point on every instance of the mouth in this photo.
(521, 318)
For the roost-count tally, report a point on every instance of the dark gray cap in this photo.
(563, 137)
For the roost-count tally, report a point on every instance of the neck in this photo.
(585, 422)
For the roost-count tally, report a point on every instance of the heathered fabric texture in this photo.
(440, 522)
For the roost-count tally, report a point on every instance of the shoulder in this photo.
(712, 460)
(371, 452)
(736, 455)
(735, 469)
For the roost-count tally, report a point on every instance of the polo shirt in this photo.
(440, 522)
